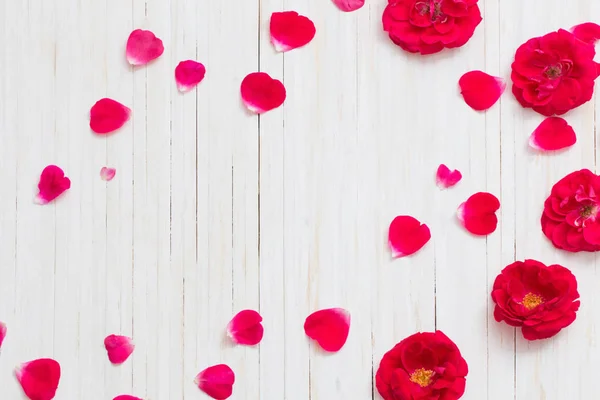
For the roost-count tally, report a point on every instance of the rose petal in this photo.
(480, 90)
(39, 378)
(478, 213)
(216, 381)
(188, 74)
(553, 133)
(349, 5)
(246, 328)
(143, 47)
(118, 348)
(107, 174)
(108, 115)
(126, 397)
(289, 30)
(446, 178)
(587, 32)
(329, 328)
(261, 93)
(53, 183)
(2, 332)
(407, 235)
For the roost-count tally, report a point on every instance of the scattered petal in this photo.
(587, 32)
(126, 397)
(39, 378)
(2, 332)
(53, 183)
(407, 236)
(289, 30)
(480, 90)
(108, 115)
(246, 328)
(188, 74)
(553, 133)
(216, 381)
(329, 328)
(446, 178)
(119, 348)
(349, 5)
(261, 93)
(107, 174)
(478, 213)
(143, 47)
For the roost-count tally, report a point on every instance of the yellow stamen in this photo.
(531, 300)
(422, 377)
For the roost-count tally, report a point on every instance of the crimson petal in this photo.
(246, 328)
(261, 93)
(53, 183)
(329, 328)
(39, 378)
(480, 90)
(126, 397)
(446, 178)
(407, 235)
(188, 74)
(587, 32)
(108, 115)
(2, 332)
(554, 133)
(478, 213)
(349, 5)
(289, 30)
(118, 348)
(143, 47)
(216, 381)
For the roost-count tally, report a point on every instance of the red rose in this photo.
(554, 73)
(429, 26)
(570, 218)
(424, 366)
(540, 299)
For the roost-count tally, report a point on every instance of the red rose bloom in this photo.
(424, 366)
(540, 299)
(570, 218)
(554, 73)
(429, 26)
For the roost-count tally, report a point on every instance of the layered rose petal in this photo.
(107, 174)
(216, 381)
(289, 30)
(118, 348)
(446, 178)
(188, 74)
(349, 5)
(108, 115)
(2, 332)
(478, 213)
(329, 328)
(126, 397)
(143, 47)
(246, 328)
(553, 133)
(261, 93)
(587, 32)
(39, 378)
(480, 90)
(53, 183)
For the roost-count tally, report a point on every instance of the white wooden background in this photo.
(214, 210)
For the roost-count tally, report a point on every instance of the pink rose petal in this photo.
(143, 47)
(39, 378)
(478, 213)
(107, 174)
(588, 32)
(554, 133)
(188, 74)
(329, 328)
(108, 115)
(480, 90)
(289, 30)
(261, 93)
(407, 235)
(216, 381)
(53, 183)
(126, 397)
(446, 178)
(2, 332)
(246, 328)
(349, 5)
(119, 348)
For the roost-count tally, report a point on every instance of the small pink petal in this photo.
(446, 178)
(246, 328)
(587, 32)
(188, 74)
(119, 348)
(126, 397)
(2, 332)
(554, 133)
(349, 5)
(143, 47)
(329, 328)
(480, 90)
(39, 378)
(216, 381)
(289, 30)
(107, 174)
(261, 93)
(478, 213)
(108, 115)
(407, 235)
(53, 183)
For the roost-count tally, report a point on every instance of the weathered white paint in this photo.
(181, 239)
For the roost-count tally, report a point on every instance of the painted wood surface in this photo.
(214, 210)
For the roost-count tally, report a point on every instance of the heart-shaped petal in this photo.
(587, 32)
(118, 348)
(480, 90)
(289, 30)
(2, 332)
(53, 183)
(349, 5)
(329, 328)
(261, 93)
(216, 381)
(39, 378)
(143, 47)
(407, 236)
(554, 133)
(478, 213)
(246, 328)
(188, 74)
(126, 397)
(446, 178)
(107, 174)
(108, 115)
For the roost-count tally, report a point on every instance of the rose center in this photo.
(589, 211)
(422, 377)
(532, 300)
(553, 71)
(433, 8)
